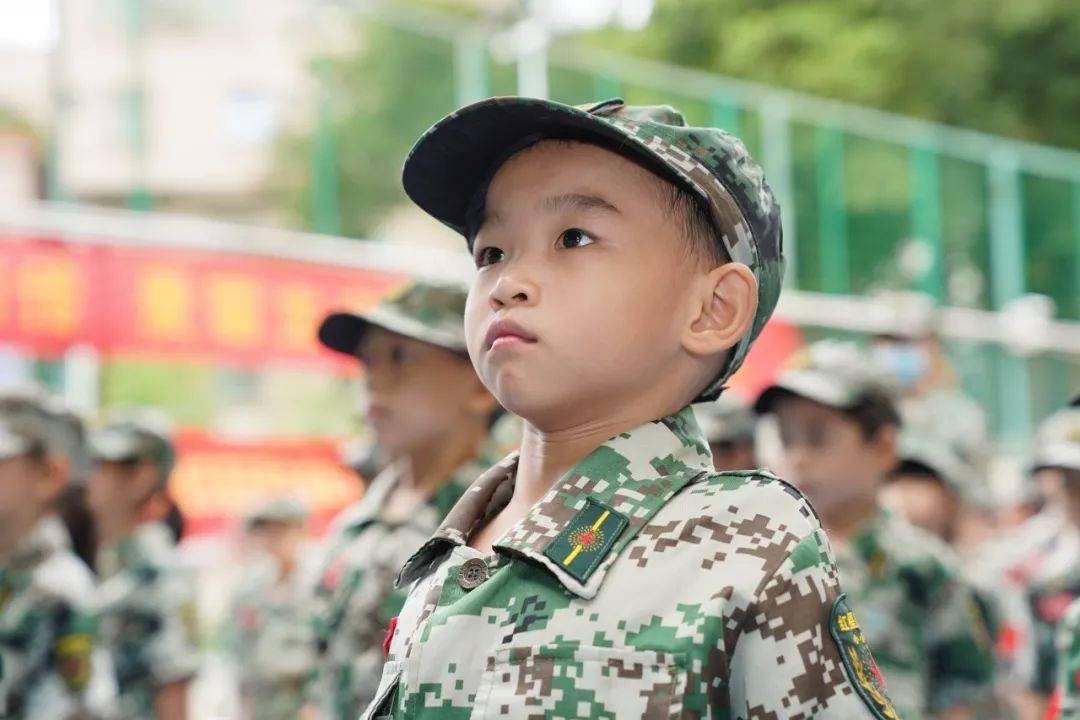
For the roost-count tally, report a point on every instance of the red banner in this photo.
(163, 302)
(217, 482)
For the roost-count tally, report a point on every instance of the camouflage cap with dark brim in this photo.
(135, 435)
(427, 311)
(456, 158)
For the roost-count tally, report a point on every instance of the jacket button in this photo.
(472, 573)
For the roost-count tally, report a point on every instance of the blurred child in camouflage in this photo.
(145, 599)
(430, 416)
(48, 664)
(838, 425)
(728, 426)
(625, 264)
(1055, 580)
(268, 628)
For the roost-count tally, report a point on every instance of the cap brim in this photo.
(12, 445)
(1059, 456)
(819, 387)
(459, 154)
(341, 332)
(110, 446)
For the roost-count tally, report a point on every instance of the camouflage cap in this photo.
(19, 437)
(1059, 441)
(424, 310)
(727, 419)
(135, 435)
(279, 509)
(837, 374)
(919, 451)
(46, 419)
(456, 158)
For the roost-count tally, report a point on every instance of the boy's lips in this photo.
(506, 332)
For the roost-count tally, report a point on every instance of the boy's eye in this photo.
(488, 256)
(574, 237)
(399, 356)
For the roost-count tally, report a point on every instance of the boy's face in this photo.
(733, 455)
(582, 285)
(827, 455)
(417, 393)
(25, 488)
(120, 489)
(280, 540)
(924, 502)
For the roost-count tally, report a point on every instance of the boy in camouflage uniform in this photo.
(625, 264)
(48, 664)
(145, 599)
(430, 416)
(729, 426)
(838, 427)
(268, 628)
(1055, 581)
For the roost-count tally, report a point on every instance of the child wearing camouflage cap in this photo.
(146, 597)
(626, 262)
(430, 417)
(51, 665)
(838, 424)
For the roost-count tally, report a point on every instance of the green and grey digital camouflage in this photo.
(1068, 647)
(433, 312)
(939, 457)
(145, 603)
(47, 629)
(929, 636)
(355, 597)
(644, 584)
(457, 156)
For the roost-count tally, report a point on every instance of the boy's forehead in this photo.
(549, 173)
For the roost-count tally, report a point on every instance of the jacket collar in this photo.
(634, 474)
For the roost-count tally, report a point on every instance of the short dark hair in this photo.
(873, 412)
(705, 242)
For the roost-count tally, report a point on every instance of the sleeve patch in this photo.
(859, 664)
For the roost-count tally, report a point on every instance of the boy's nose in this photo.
(512, 290)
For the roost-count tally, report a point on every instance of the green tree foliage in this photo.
(1003, 67)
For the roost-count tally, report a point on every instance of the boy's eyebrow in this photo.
(576, 201)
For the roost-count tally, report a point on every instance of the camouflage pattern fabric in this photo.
(355, 597)
(643, 585)
(1053, 588)
(423, 310)
(928, 633)
(146, 610)
(48, 662)
(1069, 663)
(457, 156)
(271, 640)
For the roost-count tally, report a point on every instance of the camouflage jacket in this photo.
(270, 638)
(46, 628)
(1069, 663)
(355, 597)
(644, 585)
(929, 635)
(146, 609)
(1055, 584)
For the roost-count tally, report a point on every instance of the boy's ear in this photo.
(886, 445)
(723, 311)
(481, 402)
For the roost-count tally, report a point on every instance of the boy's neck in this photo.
(13, 531)
(430, 466)
(545, 456)
(114, 530)
(844, 521)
